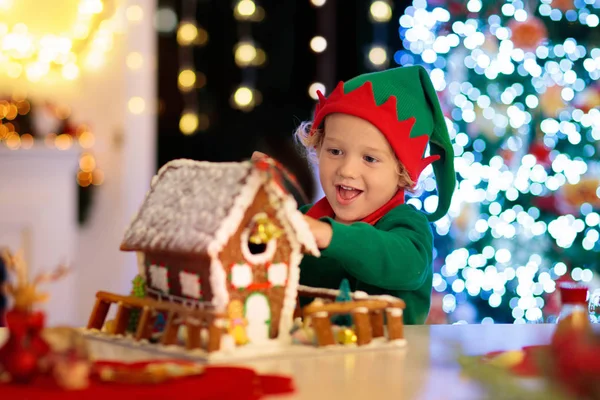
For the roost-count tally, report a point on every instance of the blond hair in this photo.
(312, 139)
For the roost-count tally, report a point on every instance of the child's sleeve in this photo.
(393, 256)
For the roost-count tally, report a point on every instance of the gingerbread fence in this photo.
(367, 314)
(194, 320)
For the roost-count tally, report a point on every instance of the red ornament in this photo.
(25, 346)
(528, 35)
(541, 153)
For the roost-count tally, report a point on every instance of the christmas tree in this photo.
(343, 296)
(138, 290)
(518, 81)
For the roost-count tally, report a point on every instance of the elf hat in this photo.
(403, 105)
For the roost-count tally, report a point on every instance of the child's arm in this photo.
(393, 256)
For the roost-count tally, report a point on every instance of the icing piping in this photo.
(257, 259)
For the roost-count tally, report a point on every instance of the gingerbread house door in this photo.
(258, 315)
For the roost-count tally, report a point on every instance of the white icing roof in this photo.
(188, 204)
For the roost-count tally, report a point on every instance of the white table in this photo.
(425, 369)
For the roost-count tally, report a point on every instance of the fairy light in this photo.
(189, 35)
(380, 11)
(134, 60)
(515, 269)
(136, 105)
(318, 44)
(38, 56)
(247, 54)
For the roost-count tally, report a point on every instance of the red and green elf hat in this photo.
(403, 105)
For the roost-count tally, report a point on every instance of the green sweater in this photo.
(393, 257)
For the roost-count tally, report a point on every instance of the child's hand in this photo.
(322, 231)
(257, 155)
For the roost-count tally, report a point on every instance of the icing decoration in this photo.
(218, 284)
(159, 278)
(277, 274)
(190, 285)
(258, 314)
(241, 275)
(260, 258)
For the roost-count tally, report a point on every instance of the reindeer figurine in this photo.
(25, 347)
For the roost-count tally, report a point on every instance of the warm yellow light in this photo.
(6, 5)
(70, 71)
(134, 13)
(318, 44)
(84, 179)
(42, 48)
(381, 11)
(63, 142)
(13, 141)
(86, 140)
(202, 37)
(97, 177)
(12, 112)
(49, 139)
(3, 132)
(317, 3)
(95, 60)
(187, 79)
(312, 90)
(261, 57)
(136, 105)
(134, 60)
(187, 33)
(14, 70)
(243, 96)
(63, 111)
(26, 141)
(23, 107)
(188, 123)
(378, 55)
(87, 162)
(245, 53)
(246, 8)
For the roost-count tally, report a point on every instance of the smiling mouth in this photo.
(346, 194)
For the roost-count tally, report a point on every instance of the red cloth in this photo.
(322, 208)
(217, 382)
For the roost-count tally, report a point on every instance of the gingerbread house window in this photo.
(159, 278)
(241, 275)
(277, 274)
(190, 285)
(259, 240)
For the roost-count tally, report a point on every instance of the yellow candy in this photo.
(110, 326)
(508, 359)
(346, 336)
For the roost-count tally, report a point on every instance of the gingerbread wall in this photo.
(232, 254)
(197, 264)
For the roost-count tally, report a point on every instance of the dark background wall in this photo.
(284, 34)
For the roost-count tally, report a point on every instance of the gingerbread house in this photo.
(225, 237)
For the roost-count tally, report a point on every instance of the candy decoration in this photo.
(346, 336)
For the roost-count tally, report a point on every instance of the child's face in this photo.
(357, 167)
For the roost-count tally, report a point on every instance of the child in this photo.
(368, 138)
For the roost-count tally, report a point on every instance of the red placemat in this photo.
(216, 382)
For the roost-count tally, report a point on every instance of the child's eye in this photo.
(370, 159)
(334, 152)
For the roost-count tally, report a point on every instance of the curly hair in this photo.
(311, 140)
